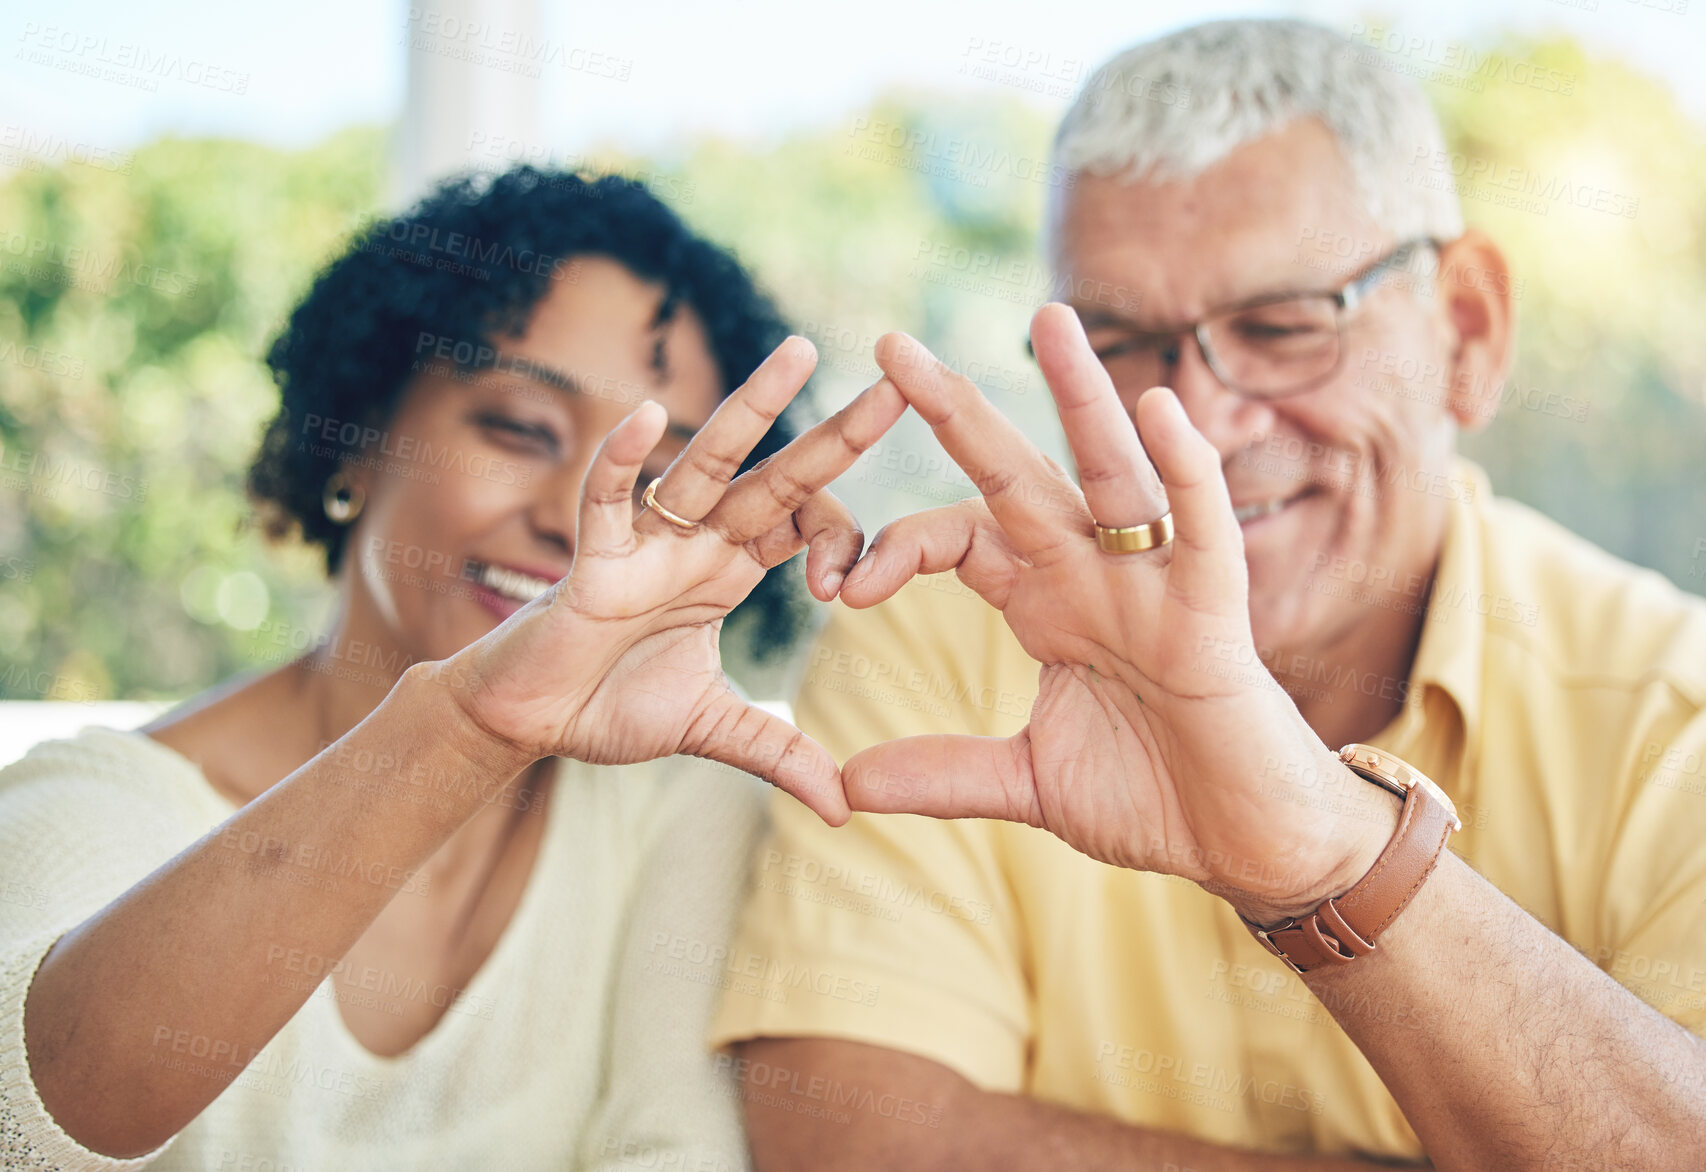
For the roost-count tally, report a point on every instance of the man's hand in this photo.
(1516, 1051)
(1135, 754)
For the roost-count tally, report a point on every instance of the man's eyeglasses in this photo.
(1275, 345)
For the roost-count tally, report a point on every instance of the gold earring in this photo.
(342, 500)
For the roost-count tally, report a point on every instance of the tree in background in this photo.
(138, 294)
(136, 300)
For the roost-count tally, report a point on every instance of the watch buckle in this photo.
(1267, 942)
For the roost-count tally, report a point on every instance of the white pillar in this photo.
(474, 90)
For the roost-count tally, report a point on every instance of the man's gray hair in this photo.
(1170, 108)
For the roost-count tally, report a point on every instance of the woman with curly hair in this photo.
(454, 889)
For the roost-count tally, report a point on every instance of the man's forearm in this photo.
(945, 1122)
(1514, 1051)
(1022, 1134)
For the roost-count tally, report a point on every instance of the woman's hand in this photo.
(619, 661)
(1138, 752)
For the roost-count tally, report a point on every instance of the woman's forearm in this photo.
(179, 964)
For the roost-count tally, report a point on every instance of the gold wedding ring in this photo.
(650, 501)
(1136, 538)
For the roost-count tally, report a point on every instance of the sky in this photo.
(117, 73)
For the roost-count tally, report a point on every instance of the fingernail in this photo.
(832, 582)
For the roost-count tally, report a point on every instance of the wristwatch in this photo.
(1345, 927)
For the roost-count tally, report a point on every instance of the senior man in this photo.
(1201, 938)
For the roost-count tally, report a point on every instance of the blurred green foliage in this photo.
(1611, 303)
(135, 305)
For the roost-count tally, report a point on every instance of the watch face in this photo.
(1396, 775)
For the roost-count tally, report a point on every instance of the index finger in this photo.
(1031, 496)
(763, 497)
(697, 479)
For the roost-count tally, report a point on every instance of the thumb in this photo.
(946, 777)
(766, 746)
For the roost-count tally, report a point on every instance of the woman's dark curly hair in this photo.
(471, 261)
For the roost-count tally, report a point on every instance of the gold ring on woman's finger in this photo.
(650, 501)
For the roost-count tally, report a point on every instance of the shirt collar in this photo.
(1448, 661)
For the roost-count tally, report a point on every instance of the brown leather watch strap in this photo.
(1346, 926)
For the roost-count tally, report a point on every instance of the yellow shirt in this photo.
(1557, 695)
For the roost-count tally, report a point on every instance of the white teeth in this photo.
(1259, 509)
(510, 583)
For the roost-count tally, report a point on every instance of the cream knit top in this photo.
(579, 1044)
